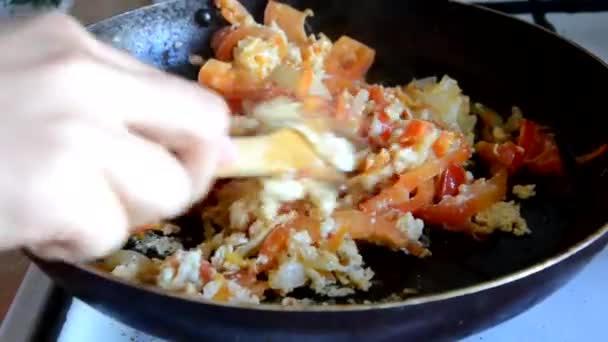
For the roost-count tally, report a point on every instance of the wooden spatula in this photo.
(283, 152)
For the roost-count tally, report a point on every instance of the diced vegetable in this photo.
(454, 212)
(450, 180)
(234, 12)
(349, 59)
(289, 19)
(414, 132)
(377, 229)
(505, 155)
(541, 152)
(224, 41)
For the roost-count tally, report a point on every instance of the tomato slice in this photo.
(506, 154)
(454, 213)
(273, 246)
(224, 40)
(450, 180)
(541, 151)
(377, 229)
(206, 271)
(247, 278)
(397, 196)
(349, 59)
(530, 138)
(276, 242)
(548, 161)
(423, 197)
(289, 19)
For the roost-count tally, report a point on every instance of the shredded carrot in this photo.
(307, 223)
(377, 162)
(272, 247)
(217, 75)
(305, 81)
(341, 108)
(313, 104)
(442, 145)
(247, 278)
(376, 94)
(336, 84)
(377, 229)
(399, 193)
(414, 132)
(335, 240)
(223, 294)
(592, 155)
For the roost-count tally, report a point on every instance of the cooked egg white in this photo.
(257, 56)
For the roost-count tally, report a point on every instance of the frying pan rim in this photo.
(424, 299)
(450, 294)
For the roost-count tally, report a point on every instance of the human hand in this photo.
(93, 142)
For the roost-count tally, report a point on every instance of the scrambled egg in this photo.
(524, 191)
(503, 216)
(257, 56)
(410, 226)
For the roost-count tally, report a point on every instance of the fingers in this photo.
(191, 122)
(101, 183)
(179, 115)
(111, 142)
(88, 78)
(87, 221)
(70, 212)
(152, 184)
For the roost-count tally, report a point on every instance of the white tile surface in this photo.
(576, 312)
(587, 29)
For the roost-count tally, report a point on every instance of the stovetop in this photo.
(43, 312)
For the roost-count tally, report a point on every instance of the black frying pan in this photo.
(466, 285)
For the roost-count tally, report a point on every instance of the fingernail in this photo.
(228, 150)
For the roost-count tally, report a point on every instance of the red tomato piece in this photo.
(450, 180)
(541, 152)
(506, 154)
(454, 213)
(414, 132)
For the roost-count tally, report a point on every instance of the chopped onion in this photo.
(124, 257)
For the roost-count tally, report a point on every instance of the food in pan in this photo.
(417, 157)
